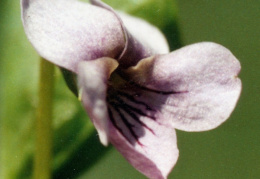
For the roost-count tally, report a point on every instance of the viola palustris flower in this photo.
(135, 92)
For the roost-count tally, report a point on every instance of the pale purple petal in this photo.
(151, 148)
(146, 143)
(93, 77)
(194, 88)
(146, 33)
(66, 32)
(136, 47)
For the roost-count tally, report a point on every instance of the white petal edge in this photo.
(92, 78)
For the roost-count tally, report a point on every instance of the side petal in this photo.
(66, 32)
(194, 88)
(141, 42)
(93, 77)
(150, 147)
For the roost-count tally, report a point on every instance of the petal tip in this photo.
(103, 137)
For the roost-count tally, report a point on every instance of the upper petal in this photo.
(194, 88)
(146, 33)
(66, 32)
(141, 42)
(92, 79)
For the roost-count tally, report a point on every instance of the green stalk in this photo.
(43, 143)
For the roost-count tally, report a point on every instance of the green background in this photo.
(231, 151)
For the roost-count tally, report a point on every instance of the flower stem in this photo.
(43, 148)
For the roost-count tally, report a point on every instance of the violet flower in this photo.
(135, 92)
